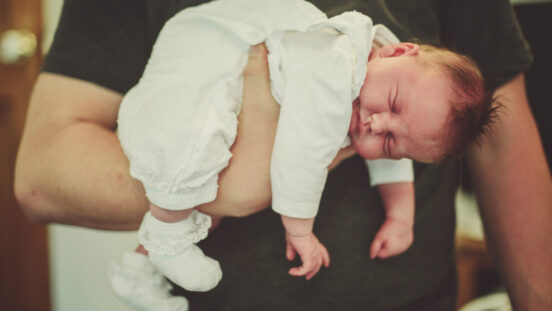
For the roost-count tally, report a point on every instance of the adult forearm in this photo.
(71, 168)
(514, 190)
(79, 176)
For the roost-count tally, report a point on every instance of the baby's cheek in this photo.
(368, 148)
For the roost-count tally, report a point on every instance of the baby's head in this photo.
(420, 102)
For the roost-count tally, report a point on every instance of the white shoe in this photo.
(140, 285)
(172, 249)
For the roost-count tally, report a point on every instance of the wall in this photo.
(51, 10)
(79, 259)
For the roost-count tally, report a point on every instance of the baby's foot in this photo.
(190, 269)
(172, 250)
(394, 237)
(140, 285)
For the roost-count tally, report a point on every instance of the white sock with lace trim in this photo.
(172, 250)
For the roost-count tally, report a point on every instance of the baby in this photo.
(179, 122)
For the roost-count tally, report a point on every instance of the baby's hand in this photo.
(394, 237)
(312, 253)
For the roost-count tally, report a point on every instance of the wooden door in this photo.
(24, 277)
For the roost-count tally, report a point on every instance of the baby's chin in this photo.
(361, 150)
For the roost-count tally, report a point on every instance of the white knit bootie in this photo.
(139, 284)
(172, 249)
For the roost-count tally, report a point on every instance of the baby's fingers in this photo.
(385, 252)
(325, 257)
(302, 270)
(315, 271)
(290, 252)
(376, 247)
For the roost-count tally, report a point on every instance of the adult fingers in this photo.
(343, 154)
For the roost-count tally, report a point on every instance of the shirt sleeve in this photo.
(386, 171)
(314, 118)
(102, 41)
(487, 31)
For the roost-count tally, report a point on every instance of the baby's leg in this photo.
(138, 282)
(169, 237)
(176, 127)
(169, 216)
(396, 234)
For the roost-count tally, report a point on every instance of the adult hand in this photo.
(343, 154)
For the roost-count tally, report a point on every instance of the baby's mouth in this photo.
(363, 128)
(359, 127)
(364, 125)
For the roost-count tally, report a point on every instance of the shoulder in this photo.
(318, 49)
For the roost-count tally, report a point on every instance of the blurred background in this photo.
(63, 268)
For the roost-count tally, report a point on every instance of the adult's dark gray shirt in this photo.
(108, 43)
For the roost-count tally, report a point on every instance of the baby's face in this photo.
(402, 111)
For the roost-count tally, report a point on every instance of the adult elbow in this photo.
(29, 201)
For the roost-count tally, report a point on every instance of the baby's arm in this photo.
(300, 240)
(314, 118)
(396, 234)
(394, 181)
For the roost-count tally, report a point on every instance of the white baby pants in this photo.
(178, 123)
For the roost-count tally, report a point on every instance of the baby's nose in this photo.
(365, 117)
(376, 124)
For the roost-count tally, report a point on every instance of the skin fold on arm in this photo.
(514, 190)
(71, 168)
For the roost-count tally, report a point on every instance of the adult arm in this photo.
(71, 168)
(514, 190)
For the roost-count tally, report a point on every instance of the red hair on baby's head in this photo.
(473, 105)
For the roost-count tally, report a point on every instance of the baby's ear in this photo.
(398, 49)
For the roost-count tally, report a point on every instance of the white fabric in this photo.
(171, 248)
(326, 71)
(191, 269)
(385, 171)
(172, 238)
(139, 284)
(323, 69)
(177, 125)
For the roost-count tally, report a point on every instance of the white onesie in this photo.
(178, 123)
